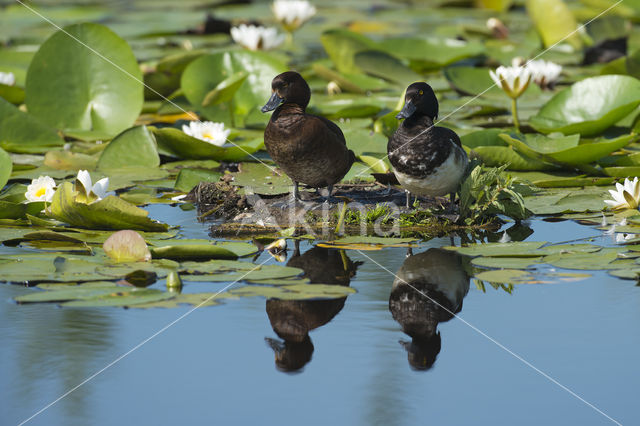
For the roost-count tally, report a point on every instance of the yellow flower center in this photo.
(207, 135)
(40, 192)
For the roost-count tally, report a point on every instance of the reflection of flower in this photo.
(626, 196)
(278, 249)
(99, 189)
(41, 189)
(513, 80)
(256, 38)
(7, 78)
(544, 73)
(214, 133)
(292, 13)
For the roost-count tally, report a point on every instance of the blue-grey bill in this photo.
(407, 111)
(272, 103)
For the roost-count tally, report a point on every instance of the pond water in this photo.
(217, 364)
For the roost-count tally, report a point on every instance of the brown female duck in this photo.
(308, 148)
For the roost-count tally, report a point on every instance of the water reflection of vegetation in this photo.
(428, 289)
(65, 357)
(292, 320)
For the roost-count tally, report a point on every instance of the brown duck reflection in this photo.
(428, 290)
(292, 320)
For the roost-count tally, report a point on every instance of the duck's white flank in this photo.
(442, 181)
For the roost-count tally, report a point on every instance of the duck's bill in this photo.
(272, 103)
(407, 111)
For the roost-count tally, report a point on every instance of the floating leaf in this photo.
(589, 106)
(554, 21)
(205, 74)
(505, 276)
(342, 46)
(109, 98)
(506, 262)
(384, 65)
(188, 178)
(126, 246)
(109, 213)
(135, 147)
(176, 143)
(225, 90)
(494, 152)
(192, 252)
(6, 166)
(21, 132)
(515, 249)
(431, 52)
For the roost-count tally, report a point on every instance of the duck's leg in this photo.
(452, 204)
(296, 192)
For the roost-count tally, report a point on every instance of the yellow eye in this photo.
(421, 93)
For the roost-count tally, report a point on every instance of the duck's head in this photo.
(288, 87)
(419, 99)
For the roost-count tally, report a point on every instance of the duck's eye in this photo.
(420, 93)
(285, 84)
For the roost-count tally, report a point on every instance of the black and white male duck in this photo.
(308, 148)
(427, 159)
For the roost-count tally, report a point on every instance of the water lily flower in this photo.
(41, 189)
(333, 88)
(256, 38)
(214, 133)
(625, 196)
(126, 246)
(95, 192)
(292, 13)
(514, 81)
(544, 73)
(623, 237)
(7, 78)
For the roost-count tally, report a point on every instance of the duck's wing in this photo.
(333, 127)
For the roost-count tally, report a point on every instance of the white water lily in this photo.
(208, 131)
(256, 38)
(94, 192)
(625, 196)
(497, 28)
(513, 80)
(7, 78)
(41, 189)
(623, 237)
(292, 13)
(544, 73)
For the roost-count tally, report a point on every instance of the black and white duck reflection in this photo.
(292, 320)
(428, 290)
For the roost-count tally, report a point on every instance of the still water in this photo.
(227, 365)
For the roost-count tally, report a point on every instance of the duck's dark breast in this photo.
(309, 149)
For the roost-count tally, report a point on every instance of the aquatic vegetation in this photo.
(513, 81)
(214, 133)
(292, 14)
(7, 78)
(89, 192)
(41, 189)
(126, 246)
(544, 73)
(625, 196)
(256, 37)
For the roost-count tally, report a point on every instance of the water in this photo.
(215, 367)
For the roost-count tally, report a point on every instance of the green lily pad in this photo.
(188, 178)
(431, 52)
(506, 262)
(6, 166)
(554, 21)
(193, 299)
(21, 132)
(192, 252)
(68, 160)
(225, 90)
(205, 74)
(135, 147)
(589, 106)
(514, 249)
(495, 152)
(109, 213)
(110, 98)
(343, 45)
(505, 276)
(176, 143)
(122, 298)
(259, 179)
(588, 261)
(384, 65)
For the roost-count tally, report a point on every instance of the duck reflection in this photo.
(428, 290)
(292, 320)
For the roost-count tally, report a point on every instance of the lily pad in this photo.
(515, 249)
(589, 106)
(192, 252)
(108, 213)
(110, 98)
(176, 143)
(342, 46)
(22, 132)
(188, 178)
(505, 276)
(6, 166)
(135, 147)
